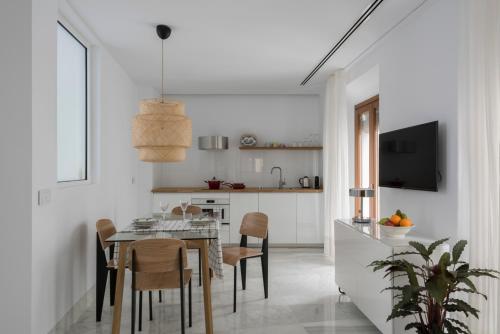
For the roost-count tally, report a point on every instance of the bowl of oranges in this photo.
(396, 226)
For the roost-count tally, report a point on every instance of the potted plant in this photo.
(430, 293)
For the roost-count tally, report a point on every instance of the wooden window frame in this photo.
(372, 106)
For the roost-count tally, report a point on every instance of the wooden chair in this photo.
(254, 224)
(160, 264)
(105, 229)
(194, 210)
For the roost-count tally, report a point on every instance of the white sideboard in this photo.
(356, 246)
(295, 219)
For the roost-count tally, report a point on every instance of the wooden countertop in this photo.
(229, 190)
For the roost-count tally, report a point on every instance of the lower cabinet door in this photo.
(309, 217)
(281, 208)
(241, 204)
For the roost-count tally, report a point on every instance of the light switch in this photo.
(44, 197)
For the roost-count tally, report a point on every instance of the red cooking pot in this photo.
(214, 184)
(235, 185)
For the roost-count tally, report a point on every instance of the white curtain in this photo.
(335, 157)
(479, 146)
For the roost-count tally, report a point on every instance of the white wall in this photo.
(281, 118)
(64, 239)
(418, 83)
(15, 166)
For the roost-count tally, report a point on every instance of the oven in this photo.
(213, 206)
(217, 206)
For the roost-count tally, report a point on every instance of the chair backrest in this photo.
(105, 229)
(254, 224)
(158, 255)
(192, 209)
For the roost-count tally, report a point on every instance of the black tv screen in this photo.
(408, 157)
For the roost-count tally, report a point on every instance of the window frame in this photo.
(84, 43)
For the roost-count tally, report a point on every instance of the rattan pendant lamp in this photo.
(160, 131)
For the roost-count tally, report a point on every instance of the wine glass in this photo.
(184, 206)
(164, 208)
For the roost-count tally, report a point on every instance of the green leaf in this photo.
(458, 305)
(470, 291)
(420, 249)
(433, 246)
(467, 282)
(417, 325)
(452, 329)
(403, 253)
(397, 313)
(412, 276)
(458, 250)
(437, 286)
(444, 261)
(461, 324)
(464, 268)
(483, 272)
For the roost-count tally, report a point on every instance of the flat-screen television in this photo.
(408, 158)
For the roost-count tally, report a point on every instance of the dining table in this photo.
(200, 230)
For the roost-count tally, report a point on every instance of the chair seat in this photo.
(158, 281)
(233, 255)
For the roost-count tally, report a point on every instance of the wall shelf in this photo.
(263, 148)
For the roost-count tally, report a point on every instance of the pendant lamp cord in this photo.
(162, 72)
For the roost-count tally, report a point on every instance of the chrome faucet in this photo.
(281, 182)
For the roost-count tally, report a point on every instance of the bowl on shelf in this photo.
(248, 140)
(397, 232)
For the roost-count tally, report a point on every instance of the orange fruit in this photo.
(406, 222)
(395, 219)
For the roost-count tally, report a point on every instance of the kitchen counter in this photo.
(229, 190)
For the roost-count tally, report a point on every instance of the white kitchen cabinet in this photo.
(241, 204)
(281, 208)
(310, 227)
(174, 199)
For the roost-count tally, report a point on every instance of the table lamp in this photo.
(362, 193)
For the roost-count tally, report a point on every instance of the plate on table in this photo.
(144, 222)
(202, 221)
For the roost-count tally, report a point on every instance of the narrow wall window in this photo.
(72, 145)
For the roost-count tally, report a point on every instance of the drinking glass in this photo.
(184, 206)
(164, 208)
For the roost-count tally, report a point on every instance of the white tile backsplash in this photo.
(282, 118)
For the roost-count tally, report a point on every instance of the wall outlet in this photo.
(44, 197)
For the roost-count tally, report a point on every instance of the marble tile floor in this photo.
(303, 299)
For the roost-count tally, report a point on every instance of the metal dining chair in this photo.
(160, 264)
(254, 224)
(194, 210)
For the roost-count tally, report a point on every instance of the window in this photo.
(366, 154)
(72, 106)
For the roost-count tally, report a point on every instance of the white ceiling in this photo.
(232, 47)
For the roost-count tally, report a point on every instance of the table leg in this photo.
(120, 279)
(207, 291)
